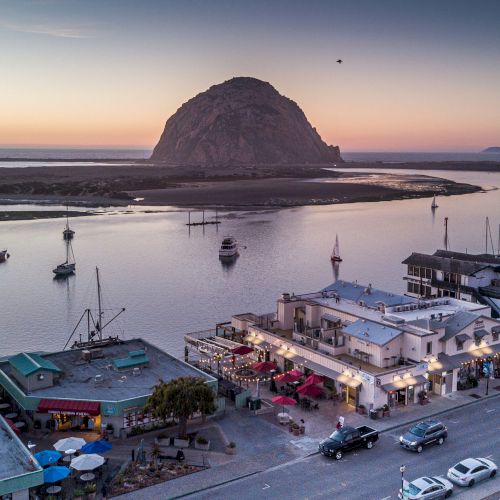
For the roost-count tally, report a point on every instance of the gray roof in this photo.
(457, 322)
(427, 323)
(370, 331)
(76, 380)
(452, 262)
(369, 295)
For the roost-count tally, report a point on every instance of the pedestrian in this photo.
(339, 425)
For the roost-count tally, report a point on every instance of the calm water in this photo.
(171, 281)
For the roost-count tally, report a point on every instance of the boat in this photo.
(434, 203)
(4, 255)
(335, 257)
(68, 233)
(68, 266)
(229, 247)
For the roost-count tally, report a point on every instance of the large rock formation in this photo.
(243, 121)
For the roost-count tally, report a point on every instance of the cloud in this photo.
(51, 30)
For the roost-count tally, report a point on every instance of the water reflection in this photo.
(227, 263)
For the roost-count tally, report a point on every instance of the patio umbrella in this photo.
(47, 457)
(310, 390)
(100, 446)
(264, 366)
(284, 401)
(242, 349)
(314, 379)
(55, 473)
(87, 462)
(287, 377)
(69, 443)
(12, 426)
(296, 373)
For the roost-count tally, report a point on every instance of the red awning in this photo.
(69, 407)
(12, 426)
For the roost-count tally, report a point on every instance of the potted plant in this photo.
(202, 443)
(231, 448)
(386, 412)
(90, 491)
(110, 429)
(78, 494)
(380, 412)
(361, 409)
(295, 429)
(302, 429)
(155, 454)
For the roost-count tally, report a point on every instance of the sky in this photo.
(417, 75)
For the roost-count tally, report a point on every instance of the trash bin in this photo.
(374, 414)
(253, 404)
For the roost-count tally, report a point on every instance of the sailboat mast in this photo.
(446, 233)
(99, 303)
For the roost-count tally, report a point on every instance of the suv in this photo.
(422, 434)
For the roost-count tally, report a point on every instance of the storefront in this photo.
(64, 414)
(404, 391)
(350, 387)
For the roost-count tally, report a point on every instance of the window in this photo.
(428, 349)
(494, 335)
(460, 346)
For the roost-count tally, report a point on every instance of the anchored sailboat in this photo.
(68, 233)
(434, 204)
(335, 257)
(69, 265)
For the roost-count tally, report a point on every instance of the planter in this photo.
(181, 443)
(380, 413)
(200, 446)
(91, 496)
(386, 413)
(424, 401)
(302, 429)
(163, 441)
(230, 451)
(296, 431)
(361, 410)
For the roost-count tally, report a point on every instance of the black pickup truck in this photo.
(347, 439)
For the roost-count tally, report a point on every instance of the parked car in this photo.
(426, 488)
(471, 470)
(348, 438)
(423, 434)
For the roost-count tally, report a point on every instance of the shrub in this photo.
(201, 440)
(231, 444)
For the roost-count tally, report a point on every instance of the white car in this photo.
(471, 470)
(426, 488)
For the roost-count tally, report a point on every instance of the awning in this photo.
(315, 367)
(405, 382)
(69, 407)
(461, 337)
(351, 382)
(442, 364)
(474, 355)
(495, 329)
(332, 318)
(480, 333)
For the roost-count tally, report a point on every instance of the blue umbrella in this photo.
(47, 457)
(55, 473)
(100, 446)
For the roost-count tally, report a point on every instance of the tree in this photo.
(180, 398)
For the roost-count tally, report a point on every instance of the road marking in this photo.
(454, 421)
(266, 486)
(489, 411)
(489, 457)
(386, 498)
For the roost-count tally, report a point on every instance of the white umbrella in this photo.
(69, 443)
(87, 462)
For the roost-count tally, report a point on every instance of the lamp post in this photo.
(402, 470)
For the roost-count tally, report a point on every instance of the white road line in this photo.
(386, 498)
(489, 456)
(489, 411)
(266, 486)
(453, 421)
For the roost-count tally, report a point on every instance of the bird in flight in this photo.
(340, 61)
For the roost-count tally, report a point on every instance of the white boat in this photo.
(4, 255)
(434, 203)
(69, 265)
(335, 257)
(229, 247)
(68, 233)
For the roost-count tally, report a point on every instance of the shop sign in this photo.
(109, 410)
(423, 367)
(367, 377)
(65, 412)
(478, 324)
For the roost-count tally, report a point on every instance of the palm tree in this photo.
(180, 398)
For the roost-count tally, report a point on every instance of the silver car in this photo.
(471, 470)
(426, 488)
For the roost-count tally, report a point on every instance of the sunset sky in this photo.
(417, 75)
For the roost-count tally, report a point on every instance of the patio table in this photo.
(88, 476)
(4, 406)
(12, 415)
(20, 425)
(54, 490)
(284, 418)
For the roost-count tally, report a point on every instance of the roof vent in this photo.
(366, 334)
(136, 372)
(98, 379)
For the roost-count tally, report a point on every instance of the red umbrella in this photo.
(296, 373)
(310, 390)
(286, 377)
(264, 366)
(13, 427)
(241, 349)
(314, 379)
(284, 401)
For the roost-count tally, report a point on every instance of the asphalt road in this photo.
(473, 431)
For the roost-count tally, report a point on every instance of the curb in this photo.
(440, 412)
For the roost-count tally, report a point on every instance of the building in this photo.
(475, 278)
(93, 388)
(374, 347)
(19, 471)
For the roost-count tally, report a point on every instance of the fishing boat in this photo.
(434, 203)
(335, 257)
(4, 255)
(229, 247)
(69, 265)
(68, 233)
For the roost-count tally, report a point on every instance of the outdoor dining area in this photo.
(73, 468)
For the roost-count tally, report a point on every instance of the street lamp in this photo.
(402, 470)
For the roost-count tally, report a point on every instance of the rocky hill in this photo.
(243, 121)
(492, 149)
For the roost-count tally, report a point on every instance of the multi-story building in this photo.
(475, 278)
(375, 347)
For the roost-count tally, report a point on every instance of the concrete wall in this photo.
(415, 346)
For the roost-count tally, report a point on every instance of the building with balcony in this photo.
(474, 278)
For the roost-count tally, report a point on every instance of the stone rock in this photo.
(243, 121)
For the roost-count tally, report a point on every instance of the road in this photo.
(374, 474)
